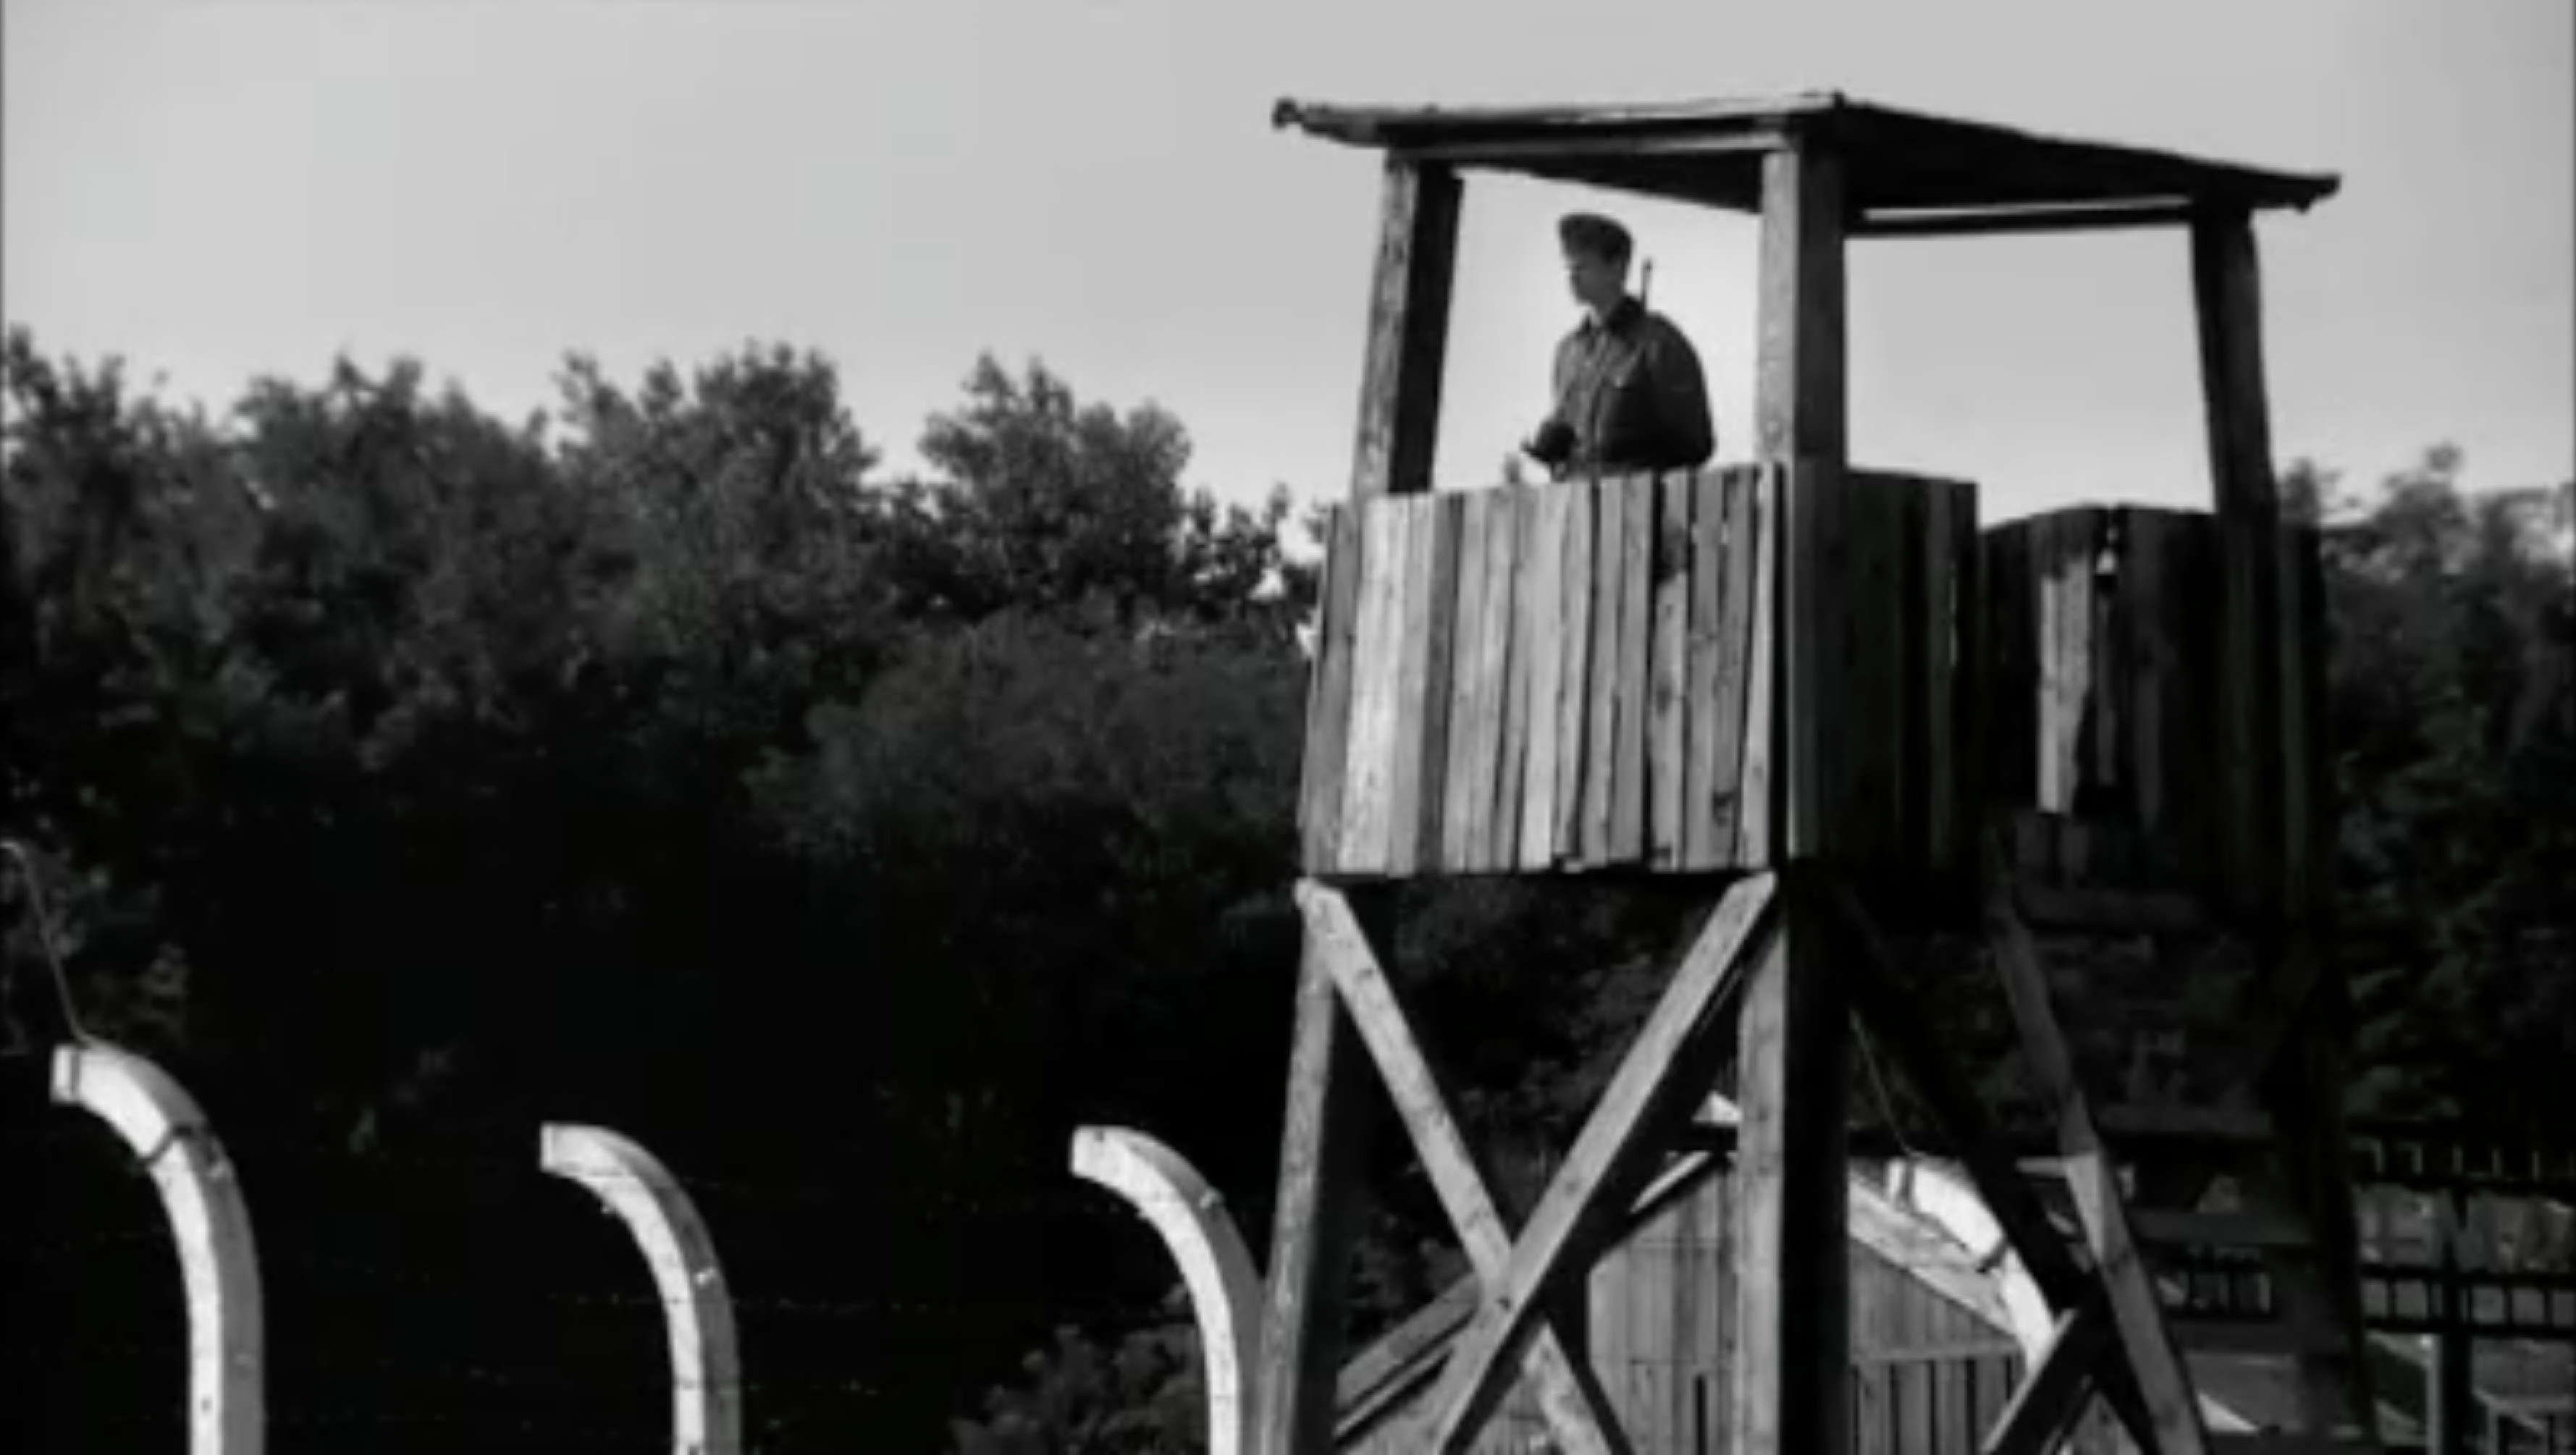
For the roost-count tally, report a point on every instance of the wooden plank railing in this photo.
(1592, 675)
(2126, 743)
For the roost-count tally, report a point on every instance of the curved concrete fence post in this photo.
(1225, 1292)
(210, 1223)
(697, 1312)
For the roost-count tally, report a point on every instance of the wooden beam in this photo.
(1800, 400)
(2091, 1176)
(1575, 1406)
(1799, 383)
(1792, 1198)
(1505, 152)
(2227, 301)
(1993, 221)
(1320, 1157)
(1890, 1017)
(1659, 1084)
(2051, 1397)
(1408, 338)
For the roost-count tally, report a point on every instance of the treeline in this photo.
(405, 776)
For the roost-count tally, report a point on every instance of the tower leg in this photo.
(1792, 1208)
(1316, 1222)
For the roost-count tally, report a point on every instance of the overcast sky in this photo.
(218, 189)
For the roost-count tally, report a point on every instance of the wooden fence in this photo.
(1589, 675)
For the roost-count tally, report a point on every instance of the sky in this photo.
(222, 189)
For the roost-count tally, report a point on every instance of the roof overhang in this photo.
(1905, 173)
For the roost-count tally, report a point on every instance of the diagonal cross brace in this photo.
(1658, 1080)
(2044, 1406)
(1576, 1407)
(2083, 1355)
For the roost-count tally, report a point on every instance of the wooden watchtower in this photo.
(1823, 693)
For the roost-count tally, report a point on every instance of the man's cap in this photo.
(1590, 232)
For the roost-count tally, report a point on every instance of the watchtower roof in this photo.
(1897, 165)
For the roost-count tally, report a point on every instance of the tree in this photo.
(2455, 717)
(1044, 502)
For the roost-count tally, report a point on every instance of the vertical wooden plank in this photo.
(1574, 673)
(1755, 793)
(1408, 337)
(2197, 751)
(1668, 656)
(1804, 739)
(1800, 396)
(1636, 624)
(2008, 696)
(2104, 774)
(1601, 732)
(2227, 298)
(2147, 651)
(1320, 1159)
(1519, 602)
(2066, 619)
(1544, 573)
(1328, 718)
(1414, 540)
(1969, 643)
(1736, 611)
(1792, 1231)
(1376, 662)
(1704, 598)
(1493, 662)
(1465, 804)
(1445, 512)
(1869, 1409)
(1959, 1405)
(1860, 684)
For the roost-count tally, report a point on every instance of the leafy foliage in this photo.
(403, 776)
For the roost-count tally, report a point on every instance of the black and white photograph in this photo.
(1436, 727)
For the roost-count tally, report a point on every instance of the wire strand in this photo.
(45, 942)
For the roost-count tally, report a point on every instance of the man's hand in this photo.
(1552, 445)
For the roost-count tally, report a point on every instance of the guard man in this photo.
(1629, 393)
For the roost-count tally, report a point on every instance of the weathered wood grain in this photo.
(1704, 647)
(1328, 718)
(1792, 1197)
(1415, 540)
(1319, 1203)
(1738, 609)
(1668, 666)
(1571, 1398)
(1518, 607)
(1755, 798)
(1574, 706)
(1483, 762)
(1543, 571)
(1601, 732)
(2154, 1359)
(1661, 1076)
(1376, 666)
(1408, 330)
(1636, 625)
(1431, 747)
(1460, 787)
